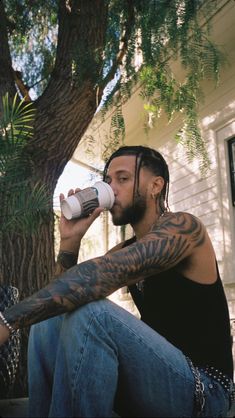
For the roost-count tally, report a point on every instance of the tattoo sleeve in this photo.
(170, 241)
(65, 260)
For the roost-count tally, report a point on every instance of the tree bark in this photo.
(6, 72)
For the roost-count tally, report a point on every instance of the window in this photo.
(231, 153)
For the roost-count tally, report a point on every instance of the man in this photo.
(88, 362)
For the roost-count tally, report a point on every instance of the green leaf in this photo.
(22, 206)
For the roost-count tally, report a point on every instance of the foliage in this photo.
(169, 34)
(21, 202)
(32, 28)
(159, 32)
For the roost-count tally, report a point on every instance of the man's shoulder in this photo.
(178, 222)
(178, 217)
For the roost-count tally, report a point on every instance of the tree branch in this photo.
(81, 24)
(128, 25)
(23, 88)
(6, 72)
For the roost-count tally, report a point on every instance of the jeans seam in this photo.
(78, 364)
(175, 371)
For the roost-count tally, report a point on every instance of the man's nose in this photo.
(113, 187)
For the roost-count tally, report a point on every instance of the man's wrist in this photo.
(67, 259)
(70, 245)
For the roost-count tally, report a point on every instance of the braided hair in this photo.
(151, 159)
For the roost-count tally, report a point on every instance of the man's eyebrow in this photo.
(121, 171)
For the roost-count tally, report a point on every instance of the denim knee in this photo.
(46, 331)
(93, 308)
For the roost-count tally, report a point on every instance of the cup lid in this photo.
(105, 193)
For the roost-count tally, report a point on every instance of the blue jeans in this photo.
(100, 358)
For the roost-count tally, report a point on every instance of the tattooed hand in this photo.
(72, 231)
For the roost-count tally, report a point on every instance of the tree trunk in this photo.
(63, 114)
(27, 262)
(6, 73)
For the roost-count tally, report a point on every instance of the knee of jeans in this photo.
(35, 335)
(36, 329)
(45, 328)
(91, 309)
(94, 306)
(98, 307)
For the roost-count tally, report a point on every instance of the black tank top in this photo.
(192, 316)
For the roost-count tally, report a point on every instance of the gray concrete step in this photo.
(13, 408)
(18, 408)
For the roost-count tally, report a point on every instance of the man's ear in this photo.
(157, 185)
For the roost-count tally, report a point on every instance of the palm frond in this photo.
(24, 207)
(23, 199)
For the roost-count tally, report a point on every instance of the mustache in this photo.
(116, 203)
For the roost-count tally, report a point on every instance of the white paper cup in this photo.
(85, 201)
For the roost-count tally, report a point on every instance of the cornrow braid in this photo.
(151, 159)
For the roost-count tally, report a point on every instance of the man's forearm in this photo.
(65, 260)
(97, 278)
(91, 280)
(72, 289)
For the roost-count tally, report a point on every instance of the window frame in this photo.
(231, 155)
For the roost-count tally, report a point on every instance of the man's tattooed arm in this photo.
(170, 241)
(65, 260)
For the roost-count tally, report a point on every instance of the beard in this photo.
(131, 214)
